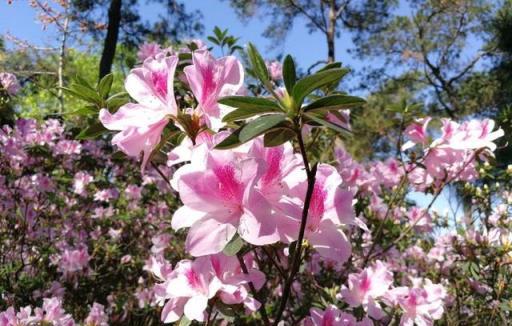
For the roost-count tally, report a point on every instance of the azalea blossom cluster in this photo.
(257, 193)
(59, 208)
(253, 230)
(186, 289)
(453, 155)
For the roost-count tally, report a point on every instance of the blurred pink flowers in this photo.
(10, 83)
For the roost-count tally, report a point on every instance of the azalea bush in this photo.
(226, 196)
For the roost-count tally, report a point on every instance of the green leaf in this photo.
(185, 56)
(248, 102)
(84, 111)
(334, 102)
(79, 80)
(247, 107)
(278, 137)
(242, 114)
(260, 126)
(77, 94)
(258, 64)
(213, 40)
(289, 74)
(105, 85)
(233, 246)
(184, 321)
(332, 65)
(86, 93)
(326, 123)
(117, 100)
(308, 84)
(92, 132)
(218, 32)
(230, 141)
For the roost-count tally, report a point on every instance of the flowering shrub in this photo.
(232, 217)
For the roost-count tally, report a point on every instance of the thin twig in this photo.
(262, 310)
(166, 179)
(311, 174)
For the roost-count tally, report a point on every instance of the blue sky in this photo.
(19, 19)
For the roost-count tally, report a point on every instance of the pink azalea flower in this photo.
(276, 163)
(354, 175)
(73, 261)
(8, 317)
(330, 208)
(133, 192)
(80, 181)
(148, 50)
(97, 316)
(450, 164)
(183, 152)
(106, 195)
(216, 190)
(473, 134)
(420, 305)
(141, 124)
(388, 173)
(192, 283)
(421, 219)
(234, 288)
(52, 313)
(160, 243)
(368, 286)
(159, 267)
(332, 316)
(211, 79)
(416, 132)
(10, 83)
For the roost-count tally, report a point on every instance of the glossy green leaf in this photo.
(115, 103)
(310, 83)
(78, 94)
(289, 73)
(93, 131)
(332, 65)
(242, 114)
(105, 85)
(79, 80)
(260, 126)
(248, 102)
(334, 102)
(230, 141)
(88, 110)
(258, 64)
(278, 137)
(89, 94)
(328, 124)
(247, 107)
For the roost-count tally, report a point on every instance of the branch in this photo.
(311, 18)
(341, 9)
(297, 253)
(468, 68)
(262, 310)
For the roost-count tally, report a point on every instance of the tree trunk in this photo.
(62, 55)
(109, 48)
(331, 33)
